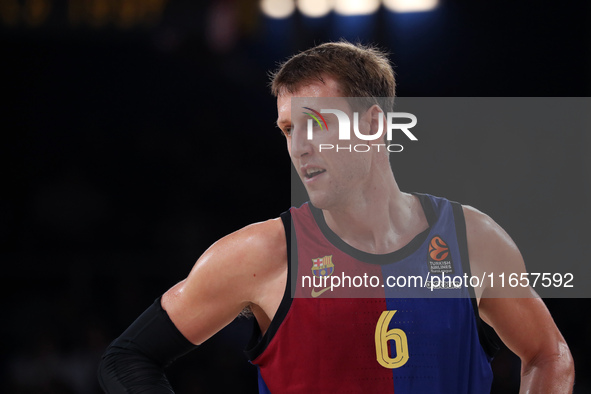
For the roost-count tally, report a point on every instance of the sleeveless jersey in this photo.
(386, 337)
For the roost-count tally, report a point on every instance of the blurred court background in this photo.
(137, 132)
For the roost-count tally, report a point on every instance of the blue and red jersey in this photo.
(385, 329)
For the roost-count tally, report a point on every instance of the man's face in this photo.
(330, 177)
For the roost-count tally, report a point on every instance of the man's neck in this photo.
(380, 223)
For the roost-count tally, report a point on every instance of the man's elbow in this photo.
(564, 363)
(556, 366)
(124, 371)
(108, 375)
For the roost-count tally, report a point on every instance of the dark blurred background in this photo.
(137, 132)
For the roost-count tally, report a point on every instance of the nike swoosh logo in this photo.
(318, 293)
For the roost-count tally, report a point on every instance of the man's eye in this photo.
(286, 131)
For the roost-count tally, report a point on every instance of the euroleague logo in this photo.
(438, 249)
(439, 258)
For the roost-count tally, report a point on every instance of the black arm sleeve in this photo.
(135, 361)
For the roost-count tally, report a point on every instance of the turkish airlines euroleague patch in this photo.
(439, 257)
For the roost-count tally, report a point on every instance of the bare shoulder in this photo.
(247, 255)
(478, 223)
(255, 246)
(491, 251)
(251, 250)
(484, 234)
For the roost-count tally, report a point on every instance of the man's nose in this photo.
(300, 145)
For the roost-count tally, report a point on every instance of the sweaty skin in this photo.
(363, 205)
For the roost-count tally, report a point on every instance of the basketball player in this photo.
(357, 221)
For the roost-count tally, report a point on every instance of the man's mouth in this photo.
(312, 172)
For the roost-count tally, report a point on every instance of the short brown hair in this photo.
(360, 70)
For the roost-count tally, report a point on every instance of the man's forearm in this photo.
(135, 361)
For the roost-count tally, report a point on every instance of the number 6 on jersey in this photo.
(383, 335)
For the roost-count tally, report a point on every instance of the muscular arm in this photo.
(521, 320)
(246, 268)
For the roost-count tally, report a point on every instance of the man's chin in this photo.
(319, 200)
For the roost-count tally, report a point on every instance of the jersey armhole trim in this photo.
(428, 209)
(486, 334)
(257, 343)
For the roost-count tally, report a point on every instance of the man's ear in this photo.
(374, 118)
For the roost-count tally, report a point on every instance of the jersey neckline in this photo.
(379, 259)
